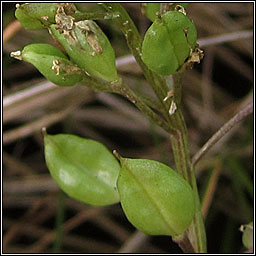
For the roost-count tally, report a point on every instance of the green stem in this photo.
(134, 42)
(59, 222)
(176, 123)
(177, 81)
(179, 139)
(94, 16)
(136, 100)
(120, 88)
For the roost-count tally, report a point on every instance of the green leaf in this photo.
(85, 169)
(155, 199)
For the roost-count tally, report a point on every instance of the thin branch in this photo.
(185, 244)
(11, 30)
(222, 131)
(27, 93)
(34, 126)
(223, 38)
(95, 16)
(211, 188)
(134, 242)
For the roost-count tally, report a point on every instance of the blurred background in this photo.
(39, 218)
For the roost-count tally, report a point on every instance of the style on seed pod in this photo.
(40, 15)
(247, 237)
(168, 42)
(151, 10)
(87, 46)
(155, 198)
(84, 169)
(51, 63)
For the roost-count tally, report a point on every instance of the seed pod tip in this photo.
(117, 155)
(16, 55)
(44, 131)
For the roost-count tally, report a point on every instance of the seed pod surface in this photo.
(89, 48)
(155, 199)
(168, 42)
(35, 15)
(151, 9)
(85, 169)
(51, 63)
(247, 237)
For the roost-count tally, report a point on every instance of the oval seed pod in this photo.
(40, 15)
(155, 199)
(88, 47)
(247, 237)
(51, 63)
(151, 9)
(85, 169)
(168, 42)
(35, 15)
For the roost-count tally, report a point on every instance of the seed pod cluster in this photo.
(84, 41)
(168, 42)
(51, 63)
(155, 199)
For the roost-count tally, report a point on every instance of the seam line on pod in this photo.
(150, 198)
(80, 167)
(170, 39)
(168, 31)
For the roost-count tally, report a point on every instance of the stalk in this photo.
(179, 140)
(194, 239)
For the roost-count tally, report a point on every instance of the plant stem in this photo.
(59, 222)
(177, 127)
(120, 88)
(185, 245)
(179, 140)
(134, 42)
(94, 16)
(136, 100)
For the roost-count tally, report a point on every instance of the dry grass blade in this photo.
(222, 131)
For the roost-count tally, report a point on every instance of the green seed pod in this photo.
(155, 199)
(87, 46)
(51, 63)
(151, 9)
(85, 169)
(247, 237)
(168, 42)
(40, 15)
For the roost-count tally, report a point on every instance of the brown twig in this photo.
(222, 131)
(11, 30)
(207, 200)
